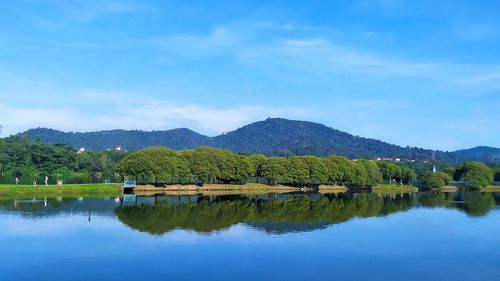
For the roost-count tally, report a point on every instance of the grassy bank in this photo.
(30, 191)
(393, 188)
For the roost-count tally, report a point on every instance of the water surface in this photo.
(454, 236)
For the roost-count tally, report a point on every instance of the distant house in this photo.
(81, 150)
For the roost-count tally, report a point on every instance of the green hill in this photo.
(274, 136)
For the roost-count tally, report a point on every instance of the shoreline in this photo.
(394, 188)
(214, 187)
(10, 191)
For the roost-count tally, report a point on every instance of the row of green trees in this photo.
(163, 165)
(214, 165)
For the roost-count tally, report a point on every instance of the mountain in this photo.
(284, 137)
(177, 138)
(480, 153)
(274, 136)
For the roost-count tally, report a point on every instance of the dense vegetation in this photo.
(131, 140)
(215, 165)
(272, 137)
(24, 158)
(483, 154)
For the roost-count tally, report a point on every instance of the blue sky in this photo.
(418, 73)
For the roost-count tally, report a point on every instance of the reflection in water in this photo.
(472, 203)
(272, 213)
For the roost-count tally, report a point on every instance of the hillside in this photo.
(274, 136)
(480, 153)
(176, 138)
(287, 137)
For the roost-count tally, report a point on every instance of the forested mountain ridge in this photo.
(480, 153)
(182, 138)
(272, 137)
(282, 137)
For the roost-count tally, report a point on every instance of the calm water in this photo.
(452, 236)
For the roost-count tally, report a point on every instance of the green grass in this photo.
(393, 188)
(9, 191)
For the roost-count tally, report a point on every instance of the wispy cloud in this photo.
(315, 55)
(493, 77)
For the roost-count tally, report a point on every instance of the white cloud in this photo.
(139, 113)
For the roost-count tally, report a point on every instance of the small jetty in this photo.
(128, 187)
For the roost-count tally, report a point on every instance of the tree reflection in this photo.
(209, 214)
(472, 203)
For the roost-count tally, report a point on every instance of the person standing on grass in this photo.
(17, 181)
(46, 180)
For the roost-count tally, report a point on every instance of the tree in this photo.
(338, 169)
(409, 175)
(389, 170)
(202, 164)
(136, 164)
(316, 169)
(166, 164)
(359, 174)
(497, 174)
(373, 171)
(296, 170)
(244, 169)
(256, 161)
(274, 168)
(430, 181)
(474, 174)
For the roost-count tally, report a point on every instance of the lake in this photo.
(301, 236)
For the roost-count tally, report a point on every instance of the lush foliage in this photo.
(23, 157)
(474, 174)
(429, 180)
(215, 165)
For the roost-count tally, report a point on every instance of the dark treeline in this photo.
(214, 165)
